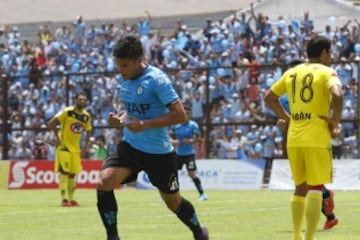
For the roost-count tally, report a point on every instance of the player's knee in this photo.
(105, 183)
(192, 174)
(173, 201)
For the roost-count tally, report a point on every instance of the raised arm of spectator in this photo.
(148, 15)
(252, 12)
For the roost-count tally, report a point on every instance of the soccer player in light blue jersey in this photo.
(151, 106)
(185, 135)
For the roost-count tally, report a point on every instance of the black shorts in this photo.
(188, 160)
(161, 168)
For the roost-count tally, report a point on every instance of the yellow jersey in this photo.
(73, 124)
(308, 88)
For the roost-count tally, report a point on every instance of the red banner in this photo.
(40, 174)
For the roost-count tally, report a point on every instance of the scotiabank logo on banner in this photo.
(40, 174)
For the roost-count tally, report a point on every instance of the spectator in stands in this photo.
(40, 149)
(74, 50)
(240, 140)
(24, 152)
(98, 150)
(336, 144)
(252, 139)
(12, 153)
(144, 24)
(348, 114)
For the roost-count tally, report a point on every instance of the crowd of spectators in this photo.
(234, 48)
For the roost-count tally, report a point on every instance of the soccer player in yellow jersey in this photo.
(73, 120)
(312, 89)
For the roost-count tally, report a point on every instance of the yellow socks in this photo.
(71, 188)
(63, 185)
(312, 212)
(297, 210)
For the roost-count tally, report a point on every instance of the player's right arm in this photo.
(272, 100)
(52, 124)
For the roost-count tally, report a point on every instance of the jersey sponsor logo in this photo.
(77, 128)
(137, 108)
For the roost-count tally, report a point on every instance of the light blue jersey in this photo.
(186, 130)
(146, 97)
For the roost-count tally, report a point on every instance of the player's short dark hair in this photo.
(316, 45)
(81, 93)
(128, 47)
(295, 62)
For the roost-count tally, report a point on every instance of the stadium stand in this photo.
(246, 50)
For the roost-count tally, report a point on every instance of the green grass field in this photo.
(229, 215)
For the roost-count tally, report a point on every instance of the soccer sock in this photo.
(186, 213)
(71, 188)
(297, 210)
(312, 212)
(63, 185)
(325, 193)
(198, 185)
(107, 207)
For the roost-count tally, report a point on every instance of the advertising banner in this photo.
(346, 175)
(40, 174)
(218, 174)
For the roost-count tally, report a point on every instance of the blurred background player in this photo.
(185, 136)
(74, 121)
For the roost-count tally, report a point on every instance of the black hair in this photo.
(316, 45)
(81, 93)
(295, 62)
(128, 47)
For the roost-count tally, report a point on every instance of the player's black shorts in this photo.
(161, 168)
(188, 160)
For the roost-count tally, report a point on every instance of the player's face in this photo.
(129, 68)
(80, 102)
